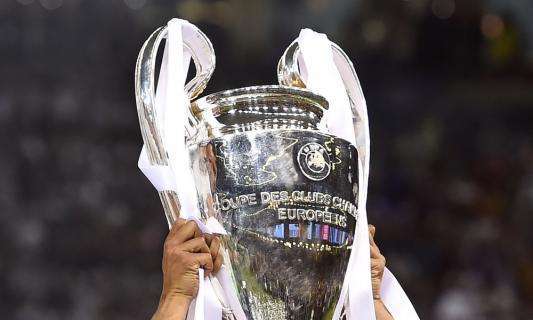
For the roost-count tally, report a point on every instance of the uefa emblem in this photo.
(314, 161)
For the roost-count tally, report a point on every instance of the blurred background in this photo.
(449, 86)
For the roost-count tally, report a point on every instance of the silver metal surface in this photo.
(257, 107)
(202, 53)
(289, 74)
(285, 193)
(289, 70)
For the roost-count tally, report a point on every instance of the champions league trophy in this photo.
(280, 190)
(284, 191)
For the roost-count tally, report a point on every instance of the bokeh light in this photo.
(492, 26)
(374, 31)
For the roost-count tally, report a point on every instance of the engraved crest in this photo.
(314, 161)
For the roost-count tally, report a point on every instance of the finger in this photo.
(214, 247)
(175, 228)
(188, 231)
(217, 263)
(374, 251)
(378, 264)
(180, 222)
(372, 230)
(195, 245)
(371, 240)
(204, 260)
(208, 238)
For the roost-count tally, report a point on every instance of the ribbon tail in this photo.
(329, 72)
(395, 298)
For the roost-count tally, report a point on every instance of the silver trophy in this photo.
(284, 190)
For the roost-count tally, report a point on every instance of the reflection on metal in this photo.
(289, 236)
(202, 53)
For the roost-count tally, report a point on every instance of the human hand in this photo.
(377, 267)
(185, 250)
(377, 262)
(214, 248)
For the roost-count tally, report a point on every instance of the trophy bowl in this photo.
(284, 190)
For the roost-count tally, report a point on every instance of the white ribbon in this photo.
(171, 107)
(328, 73)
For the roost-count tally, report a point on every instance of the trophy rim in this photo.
(222, 101)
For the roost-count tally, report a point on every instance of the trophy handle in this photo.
(202, 53)
(289, 74)
(289, 71)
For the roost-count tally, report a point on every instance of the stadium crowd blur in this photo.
(449, 85)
